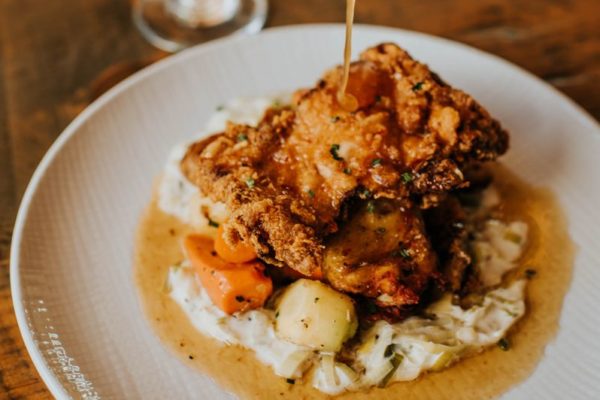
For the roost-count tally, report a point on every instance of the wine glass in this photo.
(172, 25)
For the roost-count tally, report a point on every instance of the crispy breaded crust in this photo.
(287, 181)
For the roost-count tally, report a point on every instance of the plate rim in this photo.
(48, 377)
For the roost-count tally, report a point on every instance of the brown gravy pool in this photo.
(550, 253)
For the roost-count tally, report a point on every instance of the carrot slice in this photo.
(239, 253)
(232, 287)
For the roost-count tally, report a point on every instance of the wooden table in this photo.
(52, 52)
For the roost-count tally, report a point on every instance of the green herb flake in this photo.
(402, 252)
(220, 107)
(513, 237)
(242, 137)
(316, 300)
(389, 350)
(377, 99)
(376, 162)
(371, 207)
(277, 315)
(250, 183)
(395, 361)
(334, 149)
(504, 344)
(347, 171)
(213, 223)
(364, 194)
(417, 86)
(311, 193)
(407, 177)
(276, 104)
(290, 381)
(530, 273)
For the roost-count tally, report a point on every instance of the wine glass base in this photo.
(164, 31)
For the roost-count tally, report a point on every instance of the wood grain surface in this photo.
(52, 54)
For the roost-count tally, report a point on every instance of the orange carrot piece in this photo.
(239, 253)
(232, 287)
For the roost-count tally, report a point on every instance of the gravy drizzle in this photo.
(346, 100)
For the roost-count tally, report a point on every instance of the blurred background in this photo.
(57, 56)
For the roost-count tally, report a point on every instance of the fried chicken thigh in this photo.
(292, 183)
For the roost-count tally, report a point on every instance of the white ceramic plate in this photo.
(72, 250)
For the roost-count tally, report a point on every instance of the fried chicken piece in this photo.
(228, 167)
(287, 180)
(381, 252)
(412, 133)
(446, 225)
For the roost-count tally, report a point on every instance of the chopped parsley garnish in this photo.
(335, 118)
(504, 344)
(370, 207)
(513, 237)
(364, 194)
(311, 193)
(395, 361)
(276, 104)
(220, 107)
(377, 98)
(407, 177)
(242, 137)
(334, 152)
(402, 252)
(290, 381)
(277, 314)
(389, 350)
(250, 183)
(347, 171)
(530, 273)
(213, 223)
(418, 86)
(376, 162)
(316, 300)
